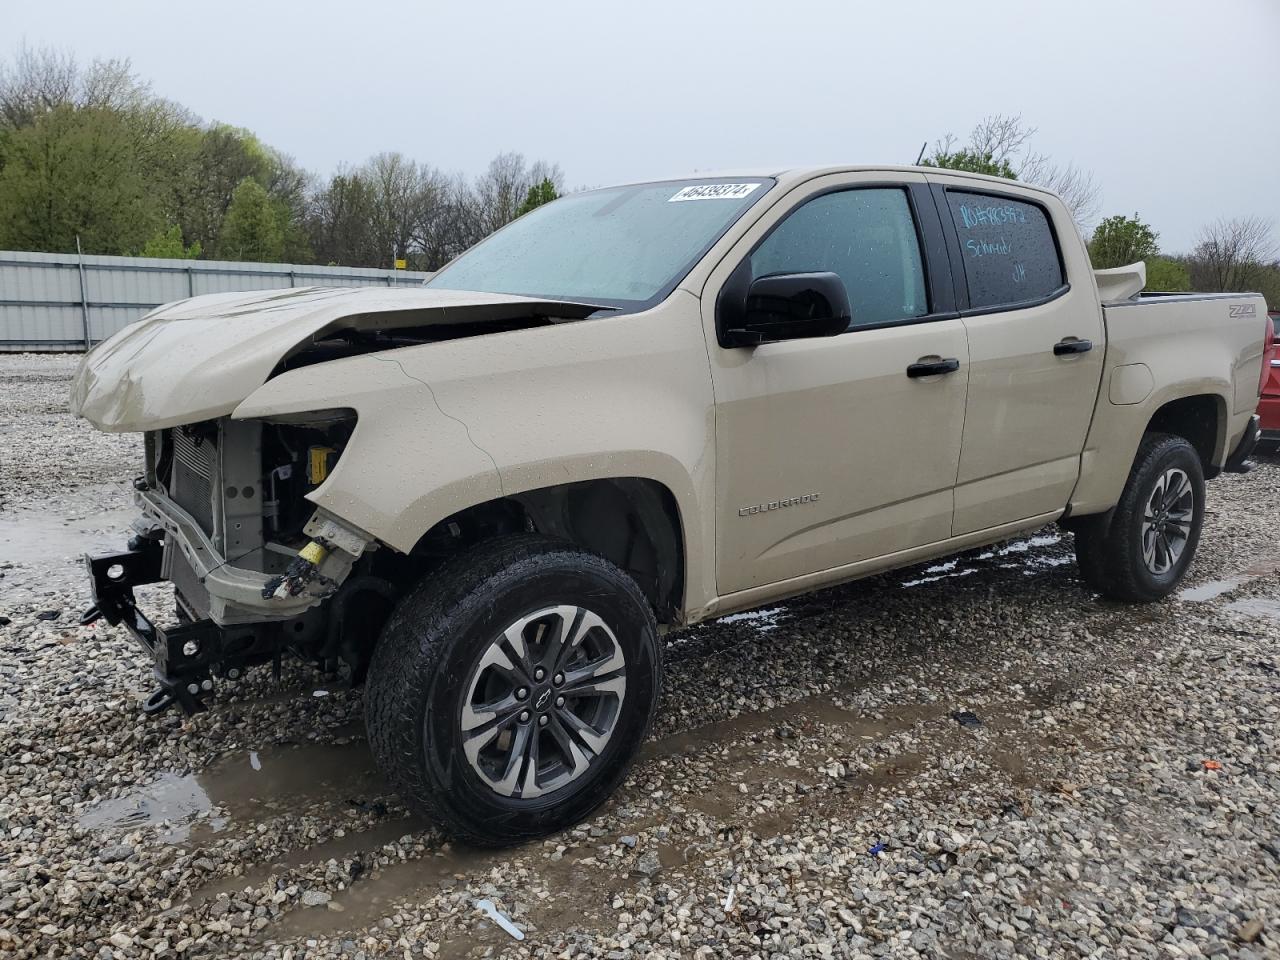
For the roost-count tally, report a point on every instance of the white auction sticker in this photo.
(714, 191)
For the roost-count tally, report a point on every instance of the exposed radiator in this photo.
(194, 470)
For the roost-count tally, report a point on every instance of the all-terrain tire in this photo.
(1111, 556)
(429, 655)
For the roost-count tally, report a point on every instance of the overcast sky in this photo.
(1170, 103)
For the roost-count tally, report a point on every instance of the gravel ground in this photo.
(969, 759)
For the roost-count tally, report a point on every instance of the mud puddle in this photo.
(1256, 607)
(94, 519)
(1210, 591)
(738, 749)
(170, 802)
(339, 848)
(1204, 592)
(807, 712)
(367, 901)
(241, 790)
(370, 899)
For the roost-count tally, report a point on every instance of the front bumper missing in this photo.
(236, 594)
(185, 656)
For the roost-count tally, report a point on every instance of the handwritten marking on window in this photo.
(987, 248)
(991, 216)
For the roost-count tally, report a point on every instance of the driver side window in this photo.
(868, 238)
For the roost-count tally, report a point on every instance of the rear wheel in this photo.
(509, 692)
(1144, 551)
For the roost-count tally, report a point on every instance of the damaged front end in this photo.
(269, 556)
(258, 571)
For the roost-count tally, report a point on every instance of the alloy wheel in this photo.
(1166, 520)
(543, 701)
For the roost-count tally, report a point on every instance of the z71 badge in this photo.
(1243, 310)
(778, 504)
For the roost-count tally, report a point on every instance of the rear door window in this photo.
(1009, 248)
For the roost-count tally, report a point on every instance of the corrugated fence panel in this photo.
(42, 306)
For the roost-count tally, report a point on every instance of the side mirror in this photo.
(789, 306)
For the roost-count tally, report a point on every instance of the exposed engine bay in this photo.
(245, 483)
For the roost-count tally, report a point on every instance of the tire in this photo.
(1141, 556)
(447, 659)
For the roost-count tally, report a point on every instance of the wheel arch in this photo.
(634, 522)
(1201, 420)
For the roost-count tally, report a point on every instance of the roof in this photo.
(794, 175)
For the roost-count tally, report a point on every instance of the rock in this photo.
(315, 898)
(1250, 931)
(649, 864)
(117, 853)
(628, 841)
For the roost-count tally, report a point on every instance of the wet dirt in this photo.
(733, 746)
(242, 790)
(351, 842)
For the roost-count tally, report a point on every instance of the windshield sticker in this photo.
(714, 191)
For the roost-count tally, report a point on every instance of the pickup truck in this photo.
(634, 409)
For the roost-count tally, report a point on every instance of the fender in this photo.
(448, 425)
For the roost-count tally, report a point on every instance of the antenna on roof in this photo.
(923, 147)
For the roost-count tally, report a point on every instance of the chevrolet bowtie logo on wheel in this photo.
(542, 700)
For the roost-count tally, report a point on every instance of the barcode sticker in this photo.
(714, 191)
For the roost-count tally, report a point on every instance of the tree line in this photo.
(1230, 255)
(90, 152)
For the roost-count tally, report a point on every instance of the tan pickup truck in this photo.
(637, 408)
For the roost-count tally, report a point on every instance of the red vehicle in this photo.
(1269, 405)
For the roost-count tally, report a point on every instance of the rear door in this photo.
(830, 451)
(1035, 351)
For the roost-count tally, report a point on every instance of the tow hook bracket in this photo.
(169, 694)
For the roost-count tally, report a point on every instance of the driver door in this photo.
(830, 450)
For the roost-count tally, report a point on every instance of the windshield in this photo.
(621, 246)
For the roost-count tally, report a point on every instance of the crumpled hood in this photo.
(197, 359)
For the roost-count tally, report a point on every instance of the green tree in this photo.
(1166, 274)
(167, 244)
(972, 161)
(213, 163)
(251, 228)
(75, 171)
(1122, 240)
(539, 193)
(1000, 145)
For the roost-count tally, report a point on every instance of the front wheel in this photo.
(509, 692)
(1148, 545)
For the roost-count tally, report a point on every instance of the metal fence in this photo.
(54, 301)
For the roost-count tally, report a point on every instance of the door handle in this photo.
(932, 368)
(1067, 347)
